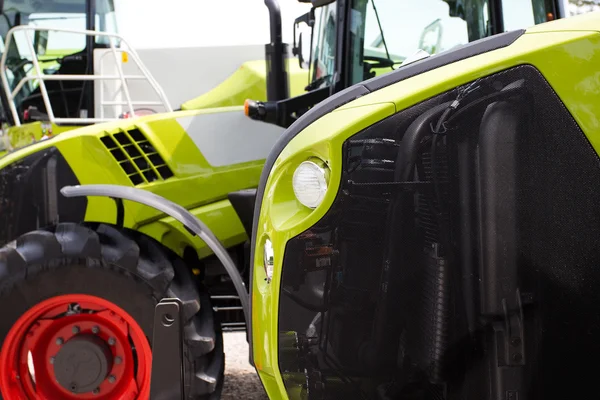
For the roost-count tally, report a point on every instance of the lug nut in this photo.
(112, 379)
(96, 391)
(75, 330)
(118, 360)
(60, 341)
(52, 360)
(112, 341)
(95, 330)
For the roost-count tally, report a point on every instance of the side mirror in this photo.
(40, 42)
(298, 48)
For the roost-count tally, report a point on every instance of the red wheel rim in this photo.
(43, 354)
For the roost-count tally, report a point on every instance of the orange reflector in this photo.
(124, 57)
(247, 107)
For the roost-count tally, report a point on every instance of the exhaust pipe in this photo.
(275, 54)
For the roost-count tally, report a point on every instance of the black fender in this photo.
(189, 221)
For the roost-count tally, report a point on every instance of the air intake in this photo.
(136, 156)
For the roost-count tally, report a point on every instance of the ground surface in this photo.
(241, 381)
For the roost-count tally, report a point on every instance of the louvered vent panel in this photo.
(136, 156)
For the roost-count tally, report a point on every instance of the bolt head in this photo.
(95, 330)
(96, 391)
(52, 359)
(112, 379)
(75, 330)
(118, 360)
(112, 341)
(60, 341)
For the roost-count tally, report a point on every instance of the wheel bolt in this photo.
(60, 341)
(96, 391)
(118, 360)
(75, 330)
(112, 379)
(112, 341)
(52, 360)
(95, 330)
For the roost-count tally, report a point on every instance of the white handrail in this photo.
(39, 76)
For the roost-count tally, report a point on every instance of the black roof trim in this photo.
(468, 50)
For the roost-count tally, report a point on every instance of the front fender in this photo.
(193, 224)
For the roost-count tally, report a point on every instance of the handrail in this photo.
(42, 78)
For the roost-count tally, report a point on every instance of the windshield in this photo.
(383, 33)
(324, 45)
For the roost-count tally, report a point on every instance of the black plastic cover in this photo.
(30, 198)
(243, 204)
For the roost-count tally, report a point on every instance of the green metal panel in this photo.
(196, 184)
(248, 82)
(282, 217)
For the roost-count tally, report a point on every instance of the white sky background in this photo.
(191, 23)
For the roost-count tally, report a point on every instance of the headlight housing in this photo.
(310, 182)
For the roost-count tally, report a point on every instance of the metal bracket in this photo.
(167, 352)
(509, 351)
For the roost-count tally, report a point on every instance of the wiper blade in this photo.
(317, 82)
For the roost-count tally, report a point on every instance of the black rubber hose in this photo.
(408, 151)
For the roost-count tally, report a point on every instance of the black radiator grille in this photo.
(136, 156)
(476, 282)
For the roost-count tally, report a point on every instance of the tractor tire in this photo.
(89, 270)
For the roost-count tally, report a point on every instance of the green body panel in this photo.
(567, 45)
(197, 185)
(287, 217)
(248, 82)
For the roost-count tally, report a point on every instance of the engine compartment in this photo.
(459, 259)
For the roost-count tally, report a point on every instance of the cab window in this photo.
(385, 32)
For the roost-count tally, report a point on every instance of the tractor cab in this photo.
(343, 43)
(63, 66)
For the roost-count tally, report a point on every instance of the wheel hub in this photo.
(83, 363)
(73, 347)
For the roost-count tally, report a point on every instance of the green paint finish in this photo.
(196, 184)
(248, 82)
(221, 219)
(283, 217)
(574, 50)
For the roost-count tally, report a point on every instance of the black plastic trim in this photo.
(243, 203)
(29, 197)
(468, 50)
(352, 93)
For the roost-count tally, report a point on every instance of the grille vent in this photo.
(136, 156)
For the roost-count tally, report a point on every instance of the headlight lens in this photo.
(269, 259)
(310, 183)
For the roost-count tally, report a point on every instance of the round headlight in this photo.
(269, 259)
(310, 183)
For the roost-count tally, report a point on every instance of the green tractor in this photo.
(104, 221)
